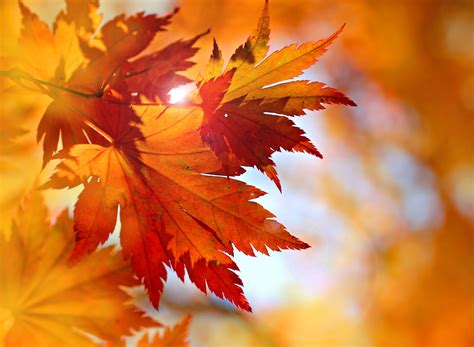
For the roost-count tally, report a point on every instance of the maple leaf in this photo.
(245, 106)
(149, 163)
(171, 337)
(84, 15)
(170, 213)
(119, 39)
(44, 302)
(52, 56)
(78, 58)
(154, 75)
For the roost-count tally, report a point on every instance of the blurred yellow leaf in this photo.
(45, 302)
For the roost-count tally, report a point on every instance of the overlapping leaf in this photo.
(244, 105)
(153, 165)
(79, 57)
(170, 213)
(44, 302)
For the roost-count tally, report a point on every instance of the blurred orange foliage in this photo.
(409, 66)
(398, 170)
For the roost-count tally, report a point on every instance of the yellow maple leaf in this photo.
(45, 53)
(46, 302)
(50, 54)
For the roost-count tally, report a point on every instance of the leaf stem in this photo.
(133, 103)
(16, 75)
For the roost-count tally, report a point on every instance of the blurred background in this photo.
(389, 211)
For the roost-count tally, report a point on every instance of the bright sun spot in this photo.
(179, 95)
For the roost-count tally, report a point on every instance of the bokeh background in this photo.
(389, 211)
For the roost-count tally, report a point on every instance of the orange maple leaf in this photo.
(245, 105)
(44, 302)
(170, 213)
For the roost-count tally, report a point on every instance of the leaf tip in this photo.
(23, 8)
(175, 11)
(246, 307)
